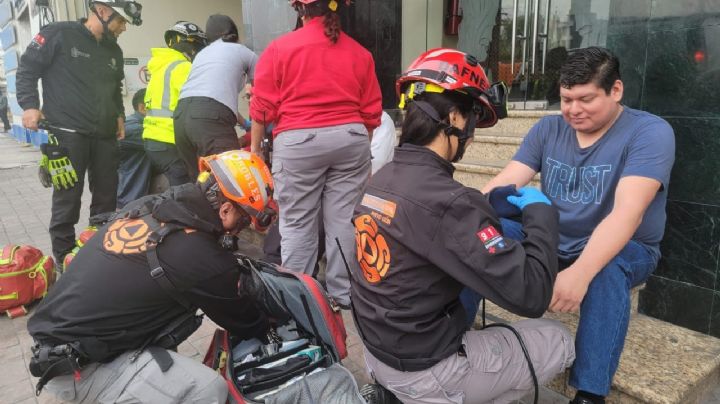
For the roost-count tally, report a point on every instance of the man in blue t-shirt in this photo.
(606, 168)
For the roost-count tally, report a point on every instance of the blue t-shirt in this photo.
(581, 182)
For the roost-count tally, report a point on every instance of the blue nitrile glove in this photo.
(498, 200)
(527, 196)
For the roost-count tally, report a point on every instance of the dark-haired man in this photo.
(606, 167)
(207, 112)
(135, 170)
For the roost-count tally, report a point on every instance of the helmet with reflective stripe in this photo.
(244, 179)
(185, 31)
(130, 10)
(442, 69)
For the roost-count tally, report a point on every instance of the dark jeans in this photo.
(203, 126)
(166, 160)
(604, 313)
(135, 173)
(98, 157)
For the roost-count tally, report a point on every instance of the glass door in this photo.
(531, 39)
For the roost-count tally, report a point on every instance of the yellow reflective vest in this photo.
(169, 70)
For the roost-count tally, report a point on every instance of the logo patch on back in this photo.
(491, 239)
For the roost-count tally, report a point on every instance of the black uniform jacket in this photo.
(81, 78)
(107, 300)
(422, 237)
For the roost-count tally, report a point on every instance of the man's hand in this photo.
(570, 288)
(120, 128)
(31, 117)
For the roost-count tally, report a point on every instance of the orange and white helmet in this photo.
(244, 179)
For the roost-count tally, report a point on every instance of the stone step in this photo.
(502, 140)
(478, 172)
(493, 147)
(661, 363)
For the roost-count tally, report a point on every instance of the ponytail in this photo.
(331, 22)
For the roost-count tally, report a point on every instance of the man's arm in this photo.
(38, 56)
(257, 132)
(633, 195)
(514, 173)
(118, 100)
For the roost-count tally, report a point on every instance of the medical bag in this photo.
(25, 276)
(299, 359)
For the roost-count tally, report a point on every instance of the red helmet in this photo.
(442, 69)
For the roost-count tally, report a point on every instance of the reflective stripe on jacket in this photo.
(169, 69)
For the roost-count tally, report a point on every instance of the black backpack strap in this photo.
(157, 235)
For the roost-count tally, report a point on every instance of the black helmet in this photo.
(184, 31)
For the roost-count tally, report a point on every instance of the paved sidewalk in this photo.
(24, 218)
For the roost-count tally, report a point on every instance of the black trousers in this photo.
(166, 160)
(4, 117)
(203, 126)
(99, 158)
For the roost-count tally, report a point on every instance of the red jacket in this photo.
(302, 80)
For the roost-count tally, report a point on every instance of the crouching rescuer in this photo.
(107, 330)
(423, 239)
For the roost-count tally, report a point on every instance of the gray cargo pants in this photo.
(493, 370)
(325, 167)
(142, 381)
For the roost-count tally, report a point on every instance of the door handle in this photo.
(544, 35)
(523, 65)
(536, 11)
(512, 38)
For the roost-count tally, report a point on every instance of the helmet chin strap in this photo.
(462, 140)
(106, 30)
(462, 134)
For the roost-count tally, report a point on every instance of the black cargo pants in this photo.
(99, 158)
(203, 126)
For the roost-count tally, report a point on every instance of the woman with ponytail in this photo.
(318, 86)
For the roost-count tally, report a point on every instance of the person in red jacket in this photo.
(319, 87)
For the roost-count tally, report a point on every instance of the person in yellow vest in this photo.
(169, 69)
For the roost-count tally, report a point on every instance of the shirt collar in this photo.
(413, 154)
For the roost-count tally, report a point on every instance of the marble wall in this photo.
(670, 58)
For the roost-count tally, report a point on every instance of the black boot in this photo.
(583, 397)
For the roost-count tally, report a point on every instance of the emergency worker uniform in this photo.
(110, 307)
(169, 69)
(421, 238)
(81, 80)
(324, 100)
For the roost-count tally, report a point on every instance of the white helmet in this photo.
(128, 9)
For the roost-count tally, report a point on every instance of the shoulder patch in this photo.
(491, 239)
(38, 41)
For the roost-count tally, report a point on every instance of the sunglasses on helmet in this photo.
(132, 10)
